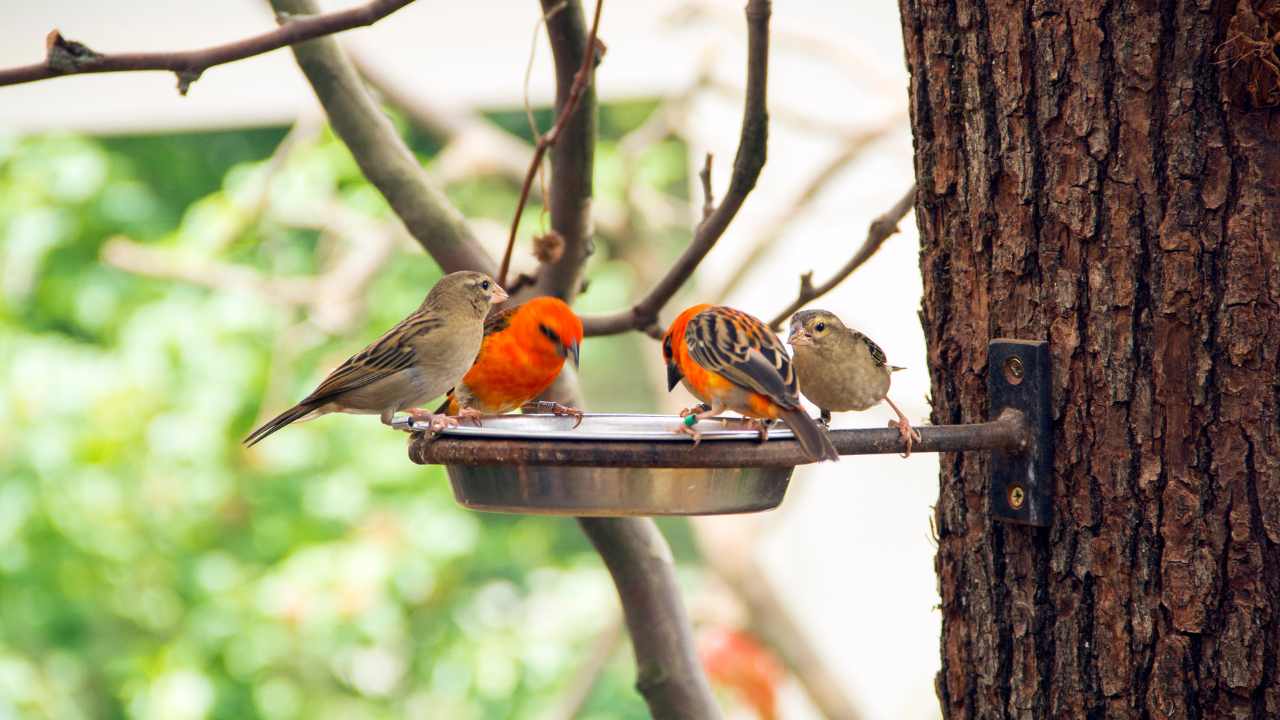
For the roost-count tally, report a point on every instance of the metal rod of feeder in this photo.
(1009, 432)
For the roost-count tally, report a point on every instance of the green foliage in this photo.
(151, 567)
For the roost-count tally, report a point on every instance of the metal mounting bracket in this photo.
(1022, 479)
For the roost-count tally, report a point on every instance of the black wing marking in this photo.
(387, 356)
(743, 349)
(499, 321)
(876, 353)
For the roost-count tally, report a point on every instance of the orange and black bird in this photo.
(523, 351)
(731, 361)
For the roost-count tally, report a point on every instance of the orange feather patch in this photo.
(710, 386)
(523, 352)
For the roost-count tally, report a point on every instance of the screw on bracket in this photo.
(1022, 479)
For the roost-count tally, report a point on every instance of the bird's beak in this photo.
(571, 352)
(674, 376)
(499, 295)
(800, 338)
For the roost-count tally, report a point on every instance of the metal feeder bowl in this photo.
(623, 464)
(609, 465)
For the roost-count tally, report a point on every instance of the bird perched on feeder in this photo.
(841, 369)
(523, 351)
(420, 358)
(730, 360)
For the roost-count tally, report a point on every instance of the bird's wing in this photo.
(744, 350)
(388, 355)
(499, 321)
(876, 353)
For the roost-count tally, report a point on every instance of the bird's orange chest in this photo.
(510, 371)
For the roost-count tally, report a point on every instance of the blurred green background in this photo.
(150, 566)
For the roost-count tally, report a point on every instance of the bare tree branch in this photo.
(669, 674)
(746, 169)
(571, 163)
(880, 230)
(382, 155)
(819, 181)
(68, 57)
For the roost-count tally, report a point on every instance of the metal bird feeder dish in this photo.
(610, 464)
(628, 464)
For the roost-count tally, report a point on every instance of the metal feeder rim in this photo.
(1009, 432)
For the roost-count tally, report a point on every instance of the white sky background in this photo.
(852, 545)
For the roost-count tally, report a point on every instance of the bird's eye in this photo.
(552, 335)
(820, 326)
(484, 285)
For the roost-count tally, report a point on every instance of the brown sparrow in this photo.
(841, 369)
(420, 358)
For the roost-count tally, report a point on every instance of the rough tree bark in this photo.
(1099, 174)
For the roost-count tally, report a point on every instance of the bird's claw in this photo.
(761, 427)
(691, 432)
(909, 435)
(699, 408)
(471, 414)
(418, 416)
(555, 408)
(434, 423)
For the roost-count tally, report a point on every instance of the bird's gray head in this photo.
(812, 328)
(466, 291)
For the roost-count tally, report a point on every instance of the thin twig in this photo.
(534, 131)
(547, 140)
(68, 57)
(880, 230)
(819, 181)
(746, 169)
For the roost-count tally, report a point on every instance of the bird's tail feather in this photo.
(812, 438)
(293, 414)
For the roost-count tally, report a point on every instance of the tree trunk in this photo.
(1104, 175)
